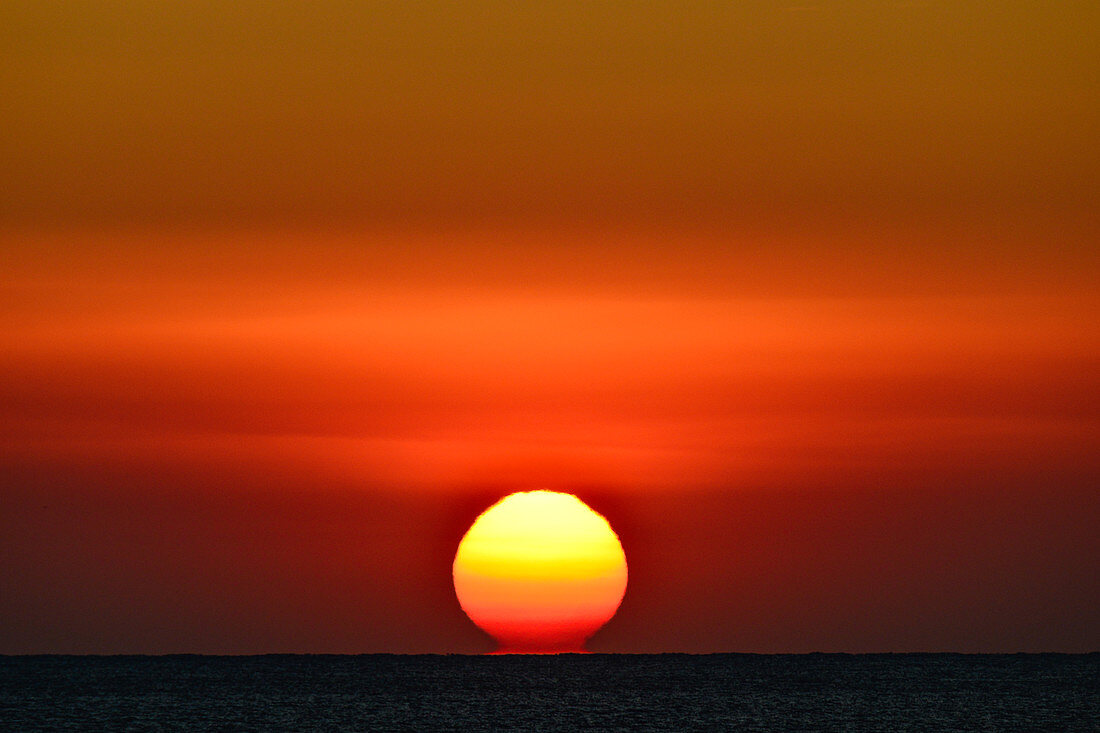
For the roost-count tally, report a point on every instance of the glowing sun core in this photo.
(540, 571)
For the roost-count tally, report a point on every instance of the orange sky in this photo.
(801, 297)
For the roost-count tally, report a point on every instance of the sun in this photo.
(540, 571)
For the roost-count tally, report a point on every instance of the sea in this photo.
(628, 692)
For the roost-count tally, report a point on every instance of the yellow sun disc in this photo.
(540, 571)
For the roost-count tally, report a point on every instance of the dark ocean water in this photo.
(886, 692)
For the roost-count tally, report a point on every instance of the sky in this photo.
(802, 297)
